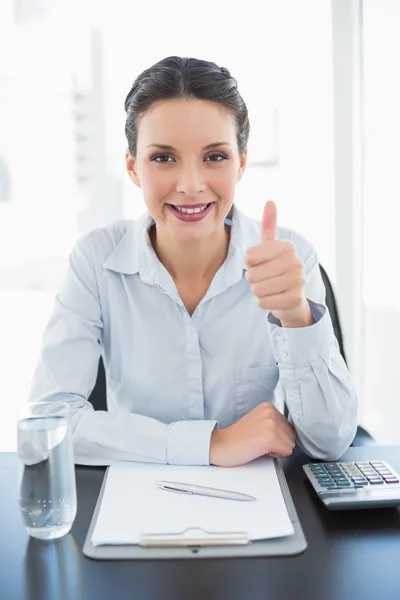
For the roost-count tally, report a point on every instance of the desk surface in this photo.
(352, 555)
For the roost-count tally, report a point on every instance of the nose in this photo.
(190, 181)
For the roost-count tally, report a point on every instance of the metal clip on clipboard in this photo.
(193, 536)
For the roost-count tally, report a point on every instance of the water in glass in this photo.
(47, 475)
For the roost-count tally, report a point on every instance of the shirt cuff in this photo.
(302, 345)
(188, 442)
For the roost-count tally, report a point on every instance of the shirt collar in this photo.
(135, 254)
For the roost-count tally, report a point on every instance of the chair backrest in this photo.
(362, 437)
(98, 397)
(331, 304)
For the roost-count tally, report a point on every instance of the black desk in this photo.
(353, 555)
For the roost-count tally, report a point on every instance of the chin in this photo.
(192, 234)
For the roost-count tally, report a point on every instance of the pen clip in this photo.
(169, 488)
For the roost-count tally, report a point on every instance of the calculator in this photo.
(350, 485)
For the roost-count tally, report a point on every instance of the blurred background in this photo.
(322, 84)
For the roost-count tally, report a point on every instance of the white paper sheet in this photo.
(133, 505)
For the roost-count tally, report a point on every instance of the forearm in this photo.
(101, 438)
(323, 409)
(317, 388)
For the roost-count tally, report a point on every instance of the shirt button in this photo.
(283, 354)
(280, 339)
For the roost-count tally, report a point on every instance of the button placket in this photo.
(196, 393)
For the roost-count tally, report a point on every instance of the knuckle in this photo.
(262, 303)
(290, 248)
(251, 255)
(271, 424)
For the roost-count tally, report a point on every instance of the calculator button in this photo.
(325, 480)
(391, 479)
(375, 481)
(343, 484)
(327, 484)
(359, 479)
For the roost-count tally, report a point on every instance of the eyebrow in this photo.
(208, 147)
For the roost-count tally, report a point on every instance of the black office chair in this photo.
(98, 397)
(362, 438)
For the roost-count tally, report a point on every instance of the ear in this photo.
(242, 165)
(131, 168)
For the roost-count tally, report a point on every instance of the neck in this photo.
(191, 261)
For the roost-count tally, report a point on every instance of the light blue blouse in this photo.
(171, 377)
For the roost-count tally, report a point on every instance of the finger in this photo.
(284, 301)
(276, 421)
(277, 266)
(268, 223)
(256, 255)
(280, 445)
(284, 425)
(288, 430)
(276, 285)
(288, 443)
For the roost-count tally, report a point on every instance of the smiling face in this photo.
(187, 165)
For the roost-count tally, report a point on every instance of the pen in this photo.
(189, 488)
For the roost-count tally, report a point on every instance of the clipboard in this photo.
(193, 544)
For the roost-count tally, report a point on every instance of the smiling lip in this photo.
(191, 205)
(190, 217)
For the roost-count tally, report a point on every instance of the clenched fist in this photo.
(264, 430)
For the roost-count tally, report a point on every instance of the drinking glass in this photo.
(47, 487)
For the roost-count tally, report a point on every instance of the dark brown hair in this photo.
(176, 77)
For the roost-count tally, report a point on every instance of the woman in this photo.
(208, 321)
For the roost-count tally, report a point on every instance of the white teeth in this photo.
(191, 211)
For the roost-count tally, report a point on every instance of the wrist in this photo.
(216, 446)
(301, 317)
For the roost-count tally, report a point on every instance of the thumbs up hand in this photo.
(276, 274)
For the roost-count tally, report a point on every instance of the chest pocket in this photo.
(254, 385)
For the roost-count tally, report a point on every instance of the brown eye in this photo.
(216, 157)
(161, 158)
